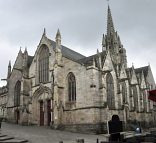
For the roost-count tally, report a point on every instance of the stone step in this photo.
(14, 141)
(8, 139)
(2, 135)
(5, 138)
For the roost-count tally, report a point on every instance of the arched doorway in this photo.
(42, 106)
(17, 96)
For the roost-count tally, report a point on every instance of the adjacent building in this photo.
(3, 101)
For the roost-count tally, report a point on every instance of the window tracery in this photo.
(71, 87)
(44, 64)
(110, 91)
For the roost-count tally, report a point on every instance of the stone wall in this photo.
(98, 128)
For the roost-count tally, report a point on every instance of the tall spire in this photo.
(110, 25)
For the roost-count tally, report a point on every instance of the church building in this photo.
(66, 90)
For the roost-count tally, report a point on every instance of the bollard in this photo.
(97, 141)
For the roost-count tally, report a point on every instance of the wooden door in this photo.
(17, 116)
(48, 112)
(41, 114)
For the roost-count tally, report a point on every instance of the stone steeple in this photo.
(112, 42)
(110, 25)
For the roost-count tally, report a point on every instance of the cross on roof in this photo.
(108, 2)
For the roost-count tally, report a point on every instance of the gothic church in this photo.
(61, 88)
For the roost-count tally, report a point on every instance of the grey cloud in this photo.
(81, 23)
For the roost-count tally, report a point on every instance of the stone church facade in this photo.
(61, 88)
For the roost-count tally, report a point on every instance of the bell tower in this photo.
(111, 41)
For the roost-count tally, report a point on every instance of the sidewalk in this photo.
(35, 134)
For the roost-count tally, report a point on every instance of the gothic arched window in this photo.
(17, 92)
(135, 96)
(110, 91)
(145, 100)
(131, 103)
(124, 92)
(44, 64)
(71, 87)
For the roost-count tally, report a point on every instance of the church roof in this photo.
(88, 61)
(144, 69)
(138, 71)
(68, 53)
(30, 59)
(77, 57)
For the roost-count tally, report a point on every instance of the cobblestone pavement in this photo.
(35, 134)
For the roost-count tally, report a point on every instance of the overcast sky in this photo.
(81, 23)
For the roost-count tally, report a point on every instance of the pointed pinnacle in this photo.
(58, 35)
(9, 63)
(20, 51)
(44, 32)
(25, 51)
(97, 51)
(103, 41)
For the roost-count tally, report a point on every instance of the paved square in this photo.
(37, 134)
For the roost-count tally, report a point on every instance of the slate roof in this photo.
(68, 53)
(144, 69)
(30, 59)
(87, 61)
(75, 56)
(138, 71)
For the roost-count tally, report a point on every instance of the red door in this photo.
(48, 112)
(41, 114)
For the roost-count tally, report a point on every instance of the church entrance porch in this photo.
(42, 106)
